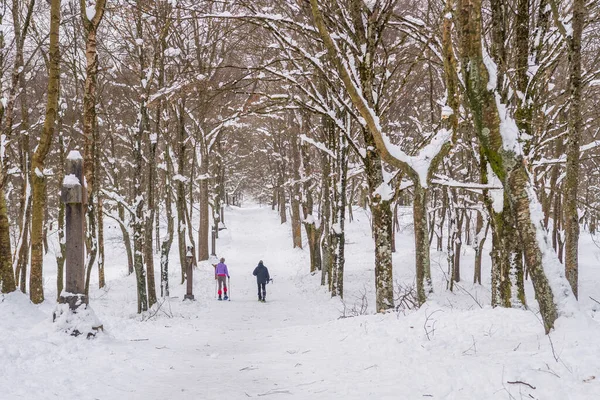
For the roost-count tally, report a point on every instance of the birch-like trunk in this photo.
(165, 248)
(327, 257)
(339, 231)
(149, 222)
(62, 249)
(101, 277)
(90, 131)
(139, 198)
(138, 217)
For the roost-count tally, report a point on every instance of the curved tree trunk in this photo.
(509, 166)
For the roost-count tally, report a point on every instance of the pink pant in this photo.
(222, 283)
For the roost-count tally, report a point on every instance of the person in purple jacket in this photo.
(221, 273)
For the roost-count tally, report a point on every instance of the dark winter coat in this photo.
(261, 273)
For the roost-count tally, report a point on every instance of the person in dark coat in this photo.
(262, 278)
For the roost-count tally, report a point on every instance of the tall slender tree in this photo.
(37, 174)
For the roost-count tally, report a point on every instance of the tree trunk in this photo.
(327, 257)
(22, 249)
(138, 218)
(180, 203)
(458, 246)
(423, 269)
(149, 228)
(480, 238)
(342, 173)
(7, 265)
(204, 226)
(101, 279)
(61, 255)
(166, 244)
(139, 205)
(38, 180)
(90, 131)
(571, 215)
(281, 202)
(7, 278)
(126, 237)
(395, 226)
(295, 196)
(313, 233)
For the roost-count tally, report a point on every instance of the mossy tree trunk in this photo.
(38, 180)
(507, 162)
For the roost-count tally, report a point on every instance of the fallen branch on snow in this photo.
(520, 382)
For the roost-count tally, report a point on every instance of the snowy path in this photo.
(294, 346)
(208, 350)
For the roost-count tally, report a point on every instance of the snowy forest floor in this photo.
(296, 345)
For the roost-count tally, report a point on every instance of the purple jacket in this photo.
(221, 269)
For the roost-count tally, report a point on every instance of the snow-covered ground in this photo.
(295, 345)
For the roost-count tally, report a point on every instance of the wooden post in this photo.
(222, 214)
(189, 275)
(74, 196)
(213, 248)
